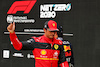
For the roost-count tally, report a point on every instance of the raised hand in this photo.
(11, 27)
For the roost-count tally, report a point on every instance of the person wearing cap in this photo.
(46, 49)
(67, 47)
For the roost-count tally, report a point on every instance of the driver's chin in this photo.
(51, 37)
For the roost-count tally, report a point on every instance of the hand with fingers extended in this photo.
(11, 27)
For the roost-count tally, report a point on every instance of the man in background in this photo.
(67, 47)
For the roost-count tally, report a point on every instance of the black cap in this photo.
(60, 32)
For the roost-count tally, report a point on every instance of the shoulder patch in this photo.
(38, 39)
(58, 42)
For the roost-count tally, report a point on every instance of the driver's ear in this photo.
(44, 29)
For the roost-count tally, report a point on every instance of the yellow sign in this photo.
(56, 46)
(43, 52)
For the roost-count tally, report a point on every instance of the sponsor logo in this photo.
(33, 30)
(66, 48)
(68, 53)
(43, 52)
(25, 6)
(56, 46)
(68, 59)
(49, 10)
(18, 55)
(19, 19)
(53, 24)
(30, 40)
(30, 56)
(66, 42)
(55, 55)
(6, 53)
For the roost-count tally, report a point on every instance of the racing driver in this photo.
(47, 49)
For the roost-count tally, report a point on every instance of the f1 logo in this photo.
(25, 6)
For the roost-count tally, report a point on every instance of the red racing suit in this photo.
(47, 51)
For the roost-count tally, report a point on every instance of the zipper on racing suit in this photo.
(52, 52)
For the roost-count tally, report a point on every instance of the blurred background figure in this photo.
(67, 47)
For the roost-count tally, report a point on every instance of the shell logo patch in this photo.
(43, 52)
(56, 46)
